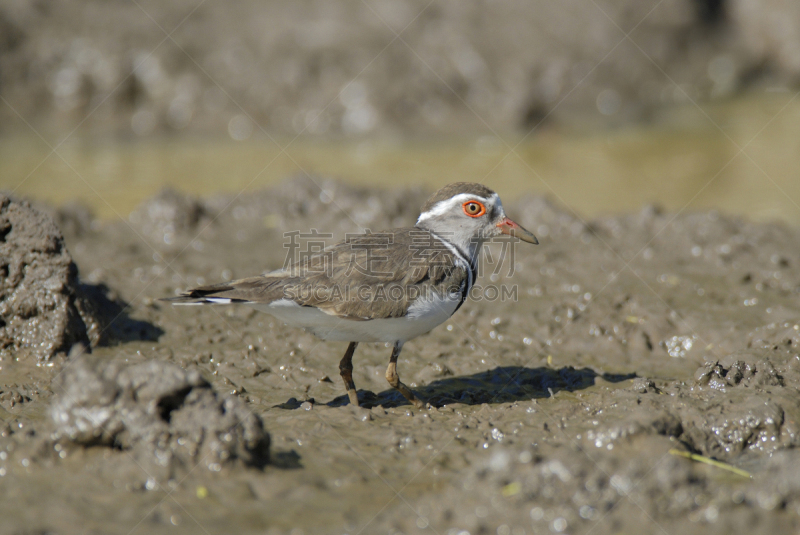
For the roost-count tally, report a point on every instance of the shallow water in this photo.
(688, 157)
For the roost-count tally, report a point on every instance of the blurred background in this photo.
(603, 105)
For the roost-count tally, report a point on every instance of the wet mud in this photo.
(42, 309)
(158, 410)
(623, 343)
(342, 68)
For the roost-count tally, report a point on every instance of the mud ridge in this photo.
(558, 410)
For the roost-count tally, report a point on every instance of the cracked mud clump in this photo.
(42, 310)
(159, 411)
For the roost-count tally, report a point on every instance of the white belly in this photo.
(423, 316)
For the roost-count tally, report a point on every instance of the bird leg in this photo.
(394, 379)
(346, 370)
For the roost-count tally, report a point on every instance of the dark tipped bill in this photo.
(507, 226)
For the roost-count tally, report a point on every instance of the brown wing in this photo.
(378, 275)
(369, 276)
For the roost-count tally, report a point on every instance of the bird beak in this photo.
(507, 226)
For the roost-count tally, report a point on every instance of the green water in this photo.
(740, 157)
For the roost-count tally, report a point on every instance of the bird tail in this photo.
(252, 290)
(206, 295)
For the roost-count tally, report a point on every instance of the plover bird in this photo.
(389, 286)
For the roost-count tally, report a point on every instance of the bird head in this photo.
(467, 214)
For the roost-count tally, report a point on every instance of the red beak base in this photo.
(511, 228)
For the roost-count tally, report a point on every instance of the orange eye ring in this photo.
(473, 208)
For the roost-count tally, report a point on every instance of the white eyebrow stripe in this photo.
(443, 207)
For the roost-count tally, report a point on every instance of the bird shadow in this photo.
(117, 326)
(503, 384)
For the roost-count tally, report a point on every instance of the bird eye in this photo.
(474, 208)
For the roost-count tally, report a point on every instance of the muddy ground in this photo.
(561, 410)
